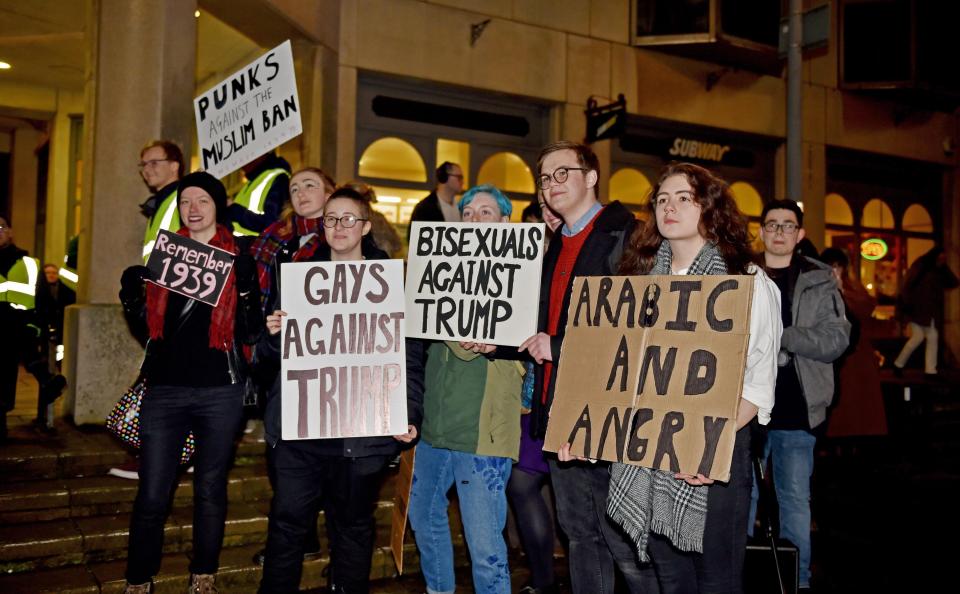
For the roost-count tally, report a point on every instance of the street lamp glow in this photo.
(4, 66)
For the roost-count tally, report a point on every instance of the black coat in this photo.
(349, 447)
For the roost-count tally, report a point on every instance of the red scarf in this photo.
(222, 318)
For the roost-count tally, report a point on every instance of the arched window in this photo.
(630, 186)
(917, 219)
(748, 199)
(508, 172)
(837, 211)
(877, 214)
(392, 158)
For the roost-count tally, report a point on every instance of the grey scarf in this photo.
(642, 500)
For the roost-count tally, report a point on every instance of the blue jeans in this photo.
(480, 483)
(792, 468)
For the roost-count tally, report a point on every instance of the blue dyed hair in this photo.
(506, 207)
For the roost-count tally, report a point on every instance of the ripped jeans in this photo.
(480, 482)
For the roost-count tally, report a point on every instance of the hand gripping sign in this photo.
(478, 282)
(189, 267)
(343, 355)
(651, 371)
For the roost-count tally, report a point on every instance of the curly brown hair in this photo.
(721, 223)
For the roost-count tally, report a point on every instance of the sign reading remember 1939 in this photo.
(189, 267)
(249, 113)
(478, 282)
(343, 350)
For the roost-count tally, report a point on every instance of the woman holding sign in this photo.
(341, 474)
(195, 370)
(693, 528)
(471, 437)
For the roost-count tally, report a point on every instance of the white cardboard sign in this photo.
(477, 282)
(343, 355)
(249, 113)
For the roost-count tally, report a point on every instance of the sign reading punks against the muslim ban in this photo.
(477, 282)
(192, 268)
(249, 113)
(651, 371)
(343, 355)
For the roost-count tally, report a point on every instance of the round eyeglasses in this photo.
(560, 175)
(347, 221)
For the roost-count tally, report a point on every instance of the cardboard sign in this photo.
(343, 355)
(401, 504)
(474, 281)
(186, 266)
(249, 113)
(651, 371)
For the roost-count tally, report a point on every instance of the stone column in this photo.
(141, 57)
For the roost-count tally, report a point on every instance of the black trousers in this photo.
(346, 489)
(167, 415)
(719, 569)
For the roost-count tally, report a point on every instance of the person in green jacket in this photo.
(470, 438)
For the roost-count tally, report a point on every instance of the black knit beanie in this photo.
(210, 185)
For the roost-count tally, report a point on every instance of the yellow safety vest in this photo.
(253, 195)
(167, 217)
(19, 287)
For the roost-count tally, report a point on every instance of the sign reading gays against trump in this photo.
(249, 113)
(478, 282)
(651, 371)
(343, 356)
(192, 268)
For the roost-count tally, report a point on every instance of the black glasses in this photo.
(151, 163)
(559, 175)
(347, 221)
(788, 228)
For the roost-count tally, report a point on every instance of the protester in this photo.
(531, 474)
(438, 206)
(260, 201)
(194, 370)
(815, 334)
(858, 407)
(342, 474)
(690, 526)
(921, 306)
(382, 233)
(19, 279)
(590, 242)
(295, 237)
(471, 434)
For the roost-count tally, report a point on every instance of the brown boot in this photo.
(202, 583)
(138, 588)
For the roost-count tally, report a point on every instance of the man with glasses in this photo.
(161, 167)
(589, 243)
(815, 332)
(438, 206)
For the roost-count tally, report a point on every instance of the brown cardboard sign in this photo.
(401, 503)
(652, 370)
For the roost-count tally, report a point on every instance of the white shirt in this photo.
(766, 326)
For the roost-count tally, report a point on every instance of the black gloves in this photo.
(245, 268)
(131, 283)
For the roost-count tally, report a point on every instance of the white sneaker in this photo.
(127, 470)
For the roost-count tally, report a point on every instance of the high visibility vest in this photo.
(19, 287)
(253, 195)
(167, 217)
(69, 276)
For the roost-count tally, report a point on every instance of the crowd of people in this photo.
(477, 412)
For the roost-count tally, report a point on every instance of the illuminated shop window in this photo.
(917, 219)
(916, 247)
(630, 186)
(877, 214)
(748, 199)
(392, 158)
(508, 172)
(837, 211)
(397, 203)
(455, 152)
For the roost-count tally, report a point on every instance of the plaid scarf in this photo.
(222, 318)
(264, 249)
(643, 500)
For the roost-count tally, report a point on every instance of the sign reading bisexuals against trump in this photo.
(249, 113)
(343, 355)
(192, 268)
(477, 282)
(651, 371)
